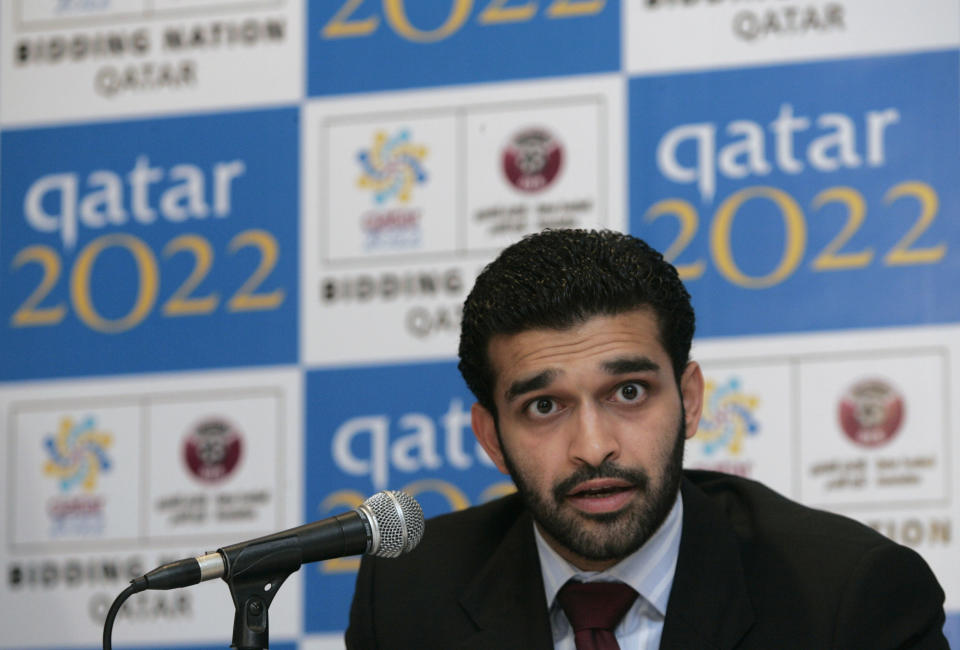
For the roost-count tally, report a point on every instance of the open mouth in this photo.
(600, 491)
(602, 495)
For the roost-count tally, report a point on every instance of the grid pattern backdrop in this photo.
(235, 236)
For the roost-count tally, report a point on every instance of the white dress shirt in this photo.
(649, 570)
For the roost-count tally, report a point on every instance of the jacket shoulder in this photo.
(758, 514)
(842, 582)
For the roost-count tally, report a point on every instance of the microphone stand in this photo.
(256, 573)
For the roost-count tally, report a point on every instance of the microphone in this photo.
(387, 524)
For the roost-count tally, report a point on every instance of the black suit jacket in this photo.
(755, 570)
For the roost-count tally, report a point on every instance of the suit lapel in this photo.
(506, 599)
(709, 606)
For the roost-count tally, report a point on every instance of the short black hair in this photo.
(558, 278)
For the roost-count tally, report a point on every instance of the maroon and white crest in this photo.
(532, 160)
(871, 412)
(212, 450)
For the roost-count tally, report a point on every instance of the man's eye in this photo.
(630, 392)
(542, 406)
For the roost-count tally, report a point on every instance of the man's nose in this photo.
(592, 440)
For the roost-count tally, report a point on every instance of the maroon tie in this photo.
(594, 609)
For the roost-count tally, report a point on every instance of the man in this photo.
(576, 347)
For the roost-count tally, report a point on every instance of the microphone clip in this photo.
(254, 574)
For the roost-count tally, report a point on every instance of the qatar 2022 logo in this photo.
(390, 170)
(728, 418)
(392, 167)
(77, 456)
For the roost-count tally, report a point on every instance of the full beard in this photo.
(609, 535)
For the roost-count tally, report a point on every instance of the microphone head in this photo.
(396, 520)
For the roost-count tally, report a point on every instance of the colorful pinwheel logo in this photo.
(727, 417)
(392, 166)
(77, 454)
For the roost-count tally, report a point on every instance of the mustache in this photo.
(636, 477)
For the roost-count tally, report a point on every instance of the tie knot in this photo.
(595, 605)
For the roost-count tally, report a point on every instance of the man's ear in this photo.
(485, 430)
(691, 392)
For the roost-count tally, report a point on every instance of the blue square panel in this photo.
(149, 245)
(804, 197)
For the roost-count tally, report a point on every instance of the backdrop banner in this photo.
(236, 236)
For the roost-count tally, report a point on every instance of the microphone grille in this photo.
(399, 519)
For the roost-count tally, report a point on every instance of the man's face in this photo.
(591, 428)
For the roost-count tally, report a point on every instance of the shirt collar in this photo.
(649, 569)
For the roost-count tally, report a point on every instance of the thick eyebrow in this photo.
(522, 386)
(626, 365)
(620, 366)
